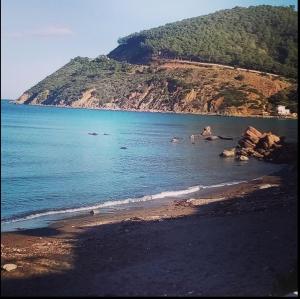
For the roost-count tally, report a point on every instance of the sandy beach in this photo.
(234, 240)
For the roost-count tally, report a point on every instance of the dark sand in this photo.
(238, 240)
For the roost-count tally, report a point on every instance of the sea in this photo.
(52, 168)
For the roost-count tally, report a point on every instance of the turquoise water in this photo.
(51, 167)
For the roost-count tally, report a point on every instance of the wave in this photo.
(112, 203)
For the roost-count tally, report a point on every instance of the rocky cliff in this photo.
(165, 86)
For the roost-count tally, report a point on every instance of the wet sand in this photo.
(234, 240)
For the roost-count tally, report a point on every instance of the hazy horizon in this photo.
(55, 31)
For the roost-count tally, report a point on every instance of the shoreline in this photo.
(152, 244)
(158, 111)
(114, 206)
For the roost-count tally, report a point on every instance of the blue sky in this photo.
(39, 36)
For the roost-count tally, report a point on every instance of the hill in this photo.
(165, 86)
(140, 73)
(259, 37)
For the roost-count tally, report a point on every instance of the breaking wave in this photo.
(112, 203)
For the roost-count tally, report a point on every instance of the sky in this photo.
(40, 36)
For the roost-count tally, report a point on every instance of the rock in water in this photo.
(225, 138)
(263, 146)
(193, 141)
(228, 153)
(206, 131)
(93, 133)
(9, 267)
(211, 138)
(123, 147)
(175, 139)
(250, 131)
(268, 141)
(92, 212)
(257, 155)
(242, 158)
(246, 143)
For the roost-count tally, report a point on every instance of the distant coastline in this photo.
(159, 111)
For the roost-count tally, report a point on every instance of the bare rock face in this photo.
(246, 143)
(268, 141)
(250, 137)
(251, 131)
(23, 98)
(206, 131)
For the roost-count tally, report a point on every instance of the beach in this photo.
(233, 240)
(158, 158)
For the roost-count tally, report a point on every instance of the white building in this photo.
(281, 110)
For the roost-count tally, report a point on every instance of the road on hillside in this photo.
(197, 63)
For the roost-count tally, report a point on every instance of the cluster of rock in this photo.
(207, 135)
(263, 146)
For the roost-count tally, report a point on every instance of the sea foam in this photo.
(112, 203)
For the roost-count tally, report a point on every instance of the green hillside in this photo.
(81, 73)
(259, 37)
(171, 86)
(262, 38)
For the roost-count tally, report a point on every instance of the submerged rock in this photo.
(175, 140)
(211, 138)
(93, 133)
(242, 158)
(225, 138)
(228, 153)
(123, 147)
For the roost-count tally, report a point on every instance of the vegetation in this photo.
(259, 37)
(232, 97)
(240, 77)
(287, 97)
(112, 79)
(106, 83)
(262, 37)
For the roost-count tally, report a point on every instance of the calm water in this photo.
(50, 165)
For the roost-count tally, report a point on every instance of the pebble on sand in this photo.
(9, 267)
